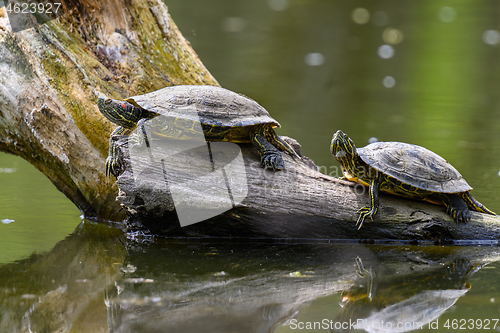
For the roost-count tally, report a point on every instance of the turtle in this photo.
(224, 116)
(403, 300)
(407, 170)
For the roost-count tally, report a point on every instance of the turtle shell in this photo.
(209, 105)
(414, 165)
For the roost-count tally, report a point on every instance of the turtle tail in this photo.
(279, 143)
(475, 205)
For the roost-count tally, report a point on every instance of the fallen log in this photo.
(299, 202)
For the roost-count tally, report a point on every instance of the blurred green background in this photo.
(422, 72)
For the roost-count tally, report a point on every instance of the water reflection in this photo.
(98, 281)
(64, 288)
(403, 303)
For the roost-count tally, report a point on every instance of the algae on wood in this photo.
(49, 76)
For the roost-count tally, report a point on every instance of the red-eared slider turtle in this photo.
(224, 116)
(406, 170)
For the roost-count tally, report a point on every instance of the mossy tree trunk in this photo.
(50, 75)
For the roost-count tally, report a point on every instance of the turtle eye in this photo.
(107, 101)
(340, 154)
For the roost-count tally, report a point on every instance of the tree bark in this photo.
(299, 202)
(51, 74)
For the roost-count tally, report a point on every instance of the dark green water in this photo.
(316, 70)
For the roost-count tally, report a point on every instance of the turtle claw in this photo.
(273, 162)
(365, 212)
(459, 215)
(112, 167)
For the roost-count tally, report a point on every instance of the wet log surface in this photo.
(298, 202)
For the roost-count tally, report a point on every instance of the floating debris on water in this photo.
(299, 274)
(138, 280)
(8, 170)
(7, 221)
(129, 269)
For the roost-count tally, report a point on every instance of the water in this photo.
(96, 280)
(419, 72)
(34, 216)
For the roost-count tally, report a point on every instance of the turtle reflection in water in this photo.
(403, 304)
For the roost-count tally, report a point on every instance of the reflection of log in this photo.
(62, 289)
(220, 287)
(175, 286)
(299, 203)
(48, 114)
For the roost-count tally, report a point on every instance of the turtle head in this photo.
(121, 113)
(344, 151)
(342, 147)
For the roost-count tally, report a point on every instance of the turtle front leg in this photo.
(278, 142)
(456, 207)
(270, 156)
(370, 211)
(367, 273)
(113, 164)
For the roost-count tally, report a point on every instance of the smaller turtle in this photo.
(407, 170)
(224, 116)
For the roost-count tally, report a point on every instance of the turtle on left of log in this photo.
(195, 113)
